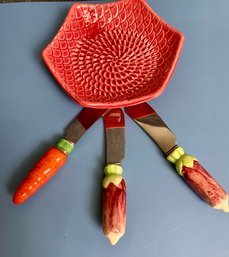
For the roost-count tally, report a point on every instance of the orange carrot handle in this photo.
(43, 171)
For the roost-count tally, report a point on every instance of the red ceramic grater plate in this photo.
(114, 54)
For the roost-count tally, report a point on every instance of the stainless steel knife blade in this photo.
(85, 119)
(115, 136)
(145, 116)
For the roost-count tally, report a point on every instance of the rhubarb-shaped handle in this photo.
(43, 171)
(199, 179)
(114, 203)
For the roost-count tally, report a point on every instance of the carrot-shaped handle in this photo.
(43, 171)
(199, 179)
(114, 203)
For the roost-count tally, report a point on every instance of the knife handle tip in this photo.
(199, 179)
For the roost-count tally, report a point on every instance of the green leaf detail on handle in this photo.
(180, 159)
(65, 146)
(185, 161)
(115, 179)
(175, 155)
(113, 169)
(113, 175)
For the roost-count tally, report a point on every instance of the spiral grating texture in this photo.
(114, 54)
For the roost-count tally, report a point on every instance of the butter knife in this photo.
(187, 166)
(56, 157)
(114, 185)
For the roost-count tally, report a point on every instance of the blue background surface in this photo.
(164, 217)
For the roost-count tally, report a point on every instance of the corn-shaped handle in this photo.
(43, 171)
(114, 203)
(199, 179)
